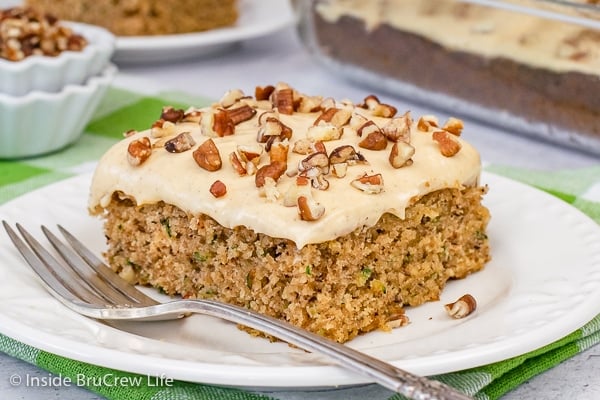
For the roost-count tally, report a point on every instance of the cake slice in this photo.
(331, 215)
(144, 17)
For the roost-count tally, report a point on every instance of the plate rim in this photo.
(281, 17)
(321, 375)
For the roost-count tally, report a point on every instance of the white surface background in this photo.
(280, 57)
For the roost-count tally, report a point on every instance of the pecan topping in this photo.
(231, 97)
(180, 143)
(335, 116)
(400, 155)
(454, 126)
(323, 133)
(27, 32)
(171, 114)
(207, 156)
(301, 188)
(398, 128)
(427, 122)
(306, 146)
(367, 128)
(237, 164)
(192, 115)
(309, 104)
(272, 171)
(449, 145)
(462, 307)
(162, 128)
(262, 118)
(316, 160)
(250, 153)
(309, 209)
(263, 92)
(375, 140)
(279, 151)
(138, 151)
(223, 125)
(377, 108)
(218, 189)
(370, 184)
(345, 154)
(283, 99)
(241, 114)
(273, 127)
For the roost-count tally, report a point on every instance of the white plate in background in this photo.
(256, 18)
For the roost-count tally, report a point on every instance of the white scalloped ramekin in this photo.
(42, 122)
(51, 74)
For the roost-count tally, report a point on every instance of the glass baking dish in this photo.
(531, 67)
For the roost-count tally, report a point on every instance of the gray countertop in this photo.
(280, 57)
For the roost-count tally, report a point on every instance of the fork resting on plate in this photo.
(83, 283)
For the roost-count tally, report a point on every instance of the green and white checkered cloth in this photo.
(122, 110)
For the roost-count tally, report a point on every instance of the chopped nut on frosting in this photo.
(293, 131)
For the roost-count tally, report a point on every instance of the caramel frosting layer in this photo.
(486, 31)
(335, 200)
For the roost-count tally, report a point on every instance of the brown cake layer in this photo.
(340, 288)
(568, 100)
(144, 17)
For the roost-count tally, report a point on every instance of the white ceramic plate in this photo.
(543, 283)
(256, 18)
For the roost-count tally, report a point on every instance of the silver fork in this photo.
(83, 283)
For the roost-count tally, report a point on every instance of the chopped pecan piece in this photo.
(367, 128)
(375, 140)
(427, 122)
(192, 115)
(377, 108)
(162, 128)
(273, 171)
(237, 164)
(171, 114)
(462, 307)
(180, 143)
(454, 126)
(241, 114)
(279, 151)
(345, 154)
(223, 125)
(218, 189)
(400, 155)
(300, 188)
(262, 118)
(398, 128)
(339, 169)
(316, 160)
(138, 151)
(449, 145)
(250, 153)
(309, 209)
(263, 92)
(335, 116)
(283, 99)
(370, 184)
(231, 97)
(207, 156)
(323, 132)
(309, 104)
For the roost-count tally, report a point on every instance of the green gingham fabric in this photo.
(122, 110)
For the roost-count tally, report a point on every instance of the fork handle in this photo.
(385, 374)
